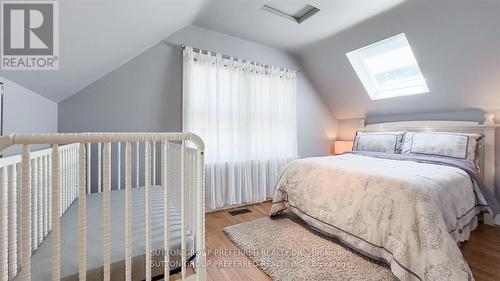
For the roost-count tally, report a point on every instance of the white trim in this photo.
(396, 88)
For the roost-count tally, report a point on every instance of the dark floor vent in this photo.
(239, 212)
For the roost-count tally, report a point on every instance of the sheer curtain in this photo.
(246, 115)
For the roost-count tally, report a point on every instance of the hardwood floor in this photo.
(482, 251)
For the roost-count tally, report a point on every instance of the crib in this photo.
(103, 206)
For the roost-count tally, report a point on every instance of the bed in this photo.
(407, 210)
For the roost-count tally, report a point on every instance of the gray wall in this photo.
(347, 127)
(26, 112)
(456, 43)
(145, 94)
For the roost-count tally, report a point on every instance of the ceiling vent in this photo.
(298, 15)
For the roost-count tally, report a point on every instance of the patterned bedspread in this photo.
(403, 211)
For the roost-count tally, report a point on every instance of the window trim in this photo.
(374, 92)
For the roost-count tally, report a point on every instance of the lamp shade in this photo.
(340, 147)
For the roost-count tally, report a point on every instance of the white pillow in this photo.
(378, 142)
(453, 145)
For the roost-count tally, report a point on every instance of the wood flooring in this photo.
(482, 251)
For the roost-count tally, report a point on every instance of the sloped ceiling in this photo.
(247, 19)
(98, 36)
(456, 43)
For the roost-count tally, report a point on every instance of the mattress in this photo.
(41, 258)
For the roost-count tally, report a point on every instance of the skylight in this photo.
(388, 69)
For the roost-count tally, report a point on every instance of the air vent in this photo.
(239, 212)
(298, 16)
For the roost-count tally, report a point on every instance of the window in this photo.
(388, 69)
(246, 115)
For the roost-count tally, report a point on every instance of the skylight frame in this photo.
(398, 87)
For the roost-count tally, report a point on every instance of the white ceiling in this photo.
(246, 19)
(97, 36)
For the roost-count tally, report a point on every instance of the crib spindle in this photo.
(56, 213)
(147, 180)
(166, 231)
(71, 176)
(76, 165)
(99, 167)
(26, 214)
(76, 172)
(89, 170)
(62, 175)
(71, 183)
(154, 163)
(62, 179)
(106, 210)
(67, 173)
(128, 212)
(82, 214)
(200, 217)
(192, 192)
(50, 191)
(118, 165)
(183, 210)
(66, 180)
(12, 190)
(73, 167)
(4, 233)
(66, 184)
(137, 165)
(39, 186)
(34, 204)
(45, 200)
(19, 234)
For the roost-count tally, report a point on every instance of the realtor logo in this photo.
(30, 35)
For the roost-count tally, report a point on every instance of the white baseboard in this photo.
(497, 219)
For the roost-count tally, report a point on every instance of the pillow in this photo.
(378, 142)
(453, 145)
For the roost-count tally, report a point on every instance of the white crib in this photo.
(38, 189)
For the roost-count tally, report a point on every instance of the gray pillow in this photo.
(389, 142)
(453, 145)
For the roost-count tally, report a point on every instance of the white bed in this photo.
(408, 213)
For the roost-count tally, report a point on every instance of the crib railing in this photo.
(38, 187)
(40, 201)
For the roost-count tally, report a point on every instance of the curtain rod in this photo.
(234, 58)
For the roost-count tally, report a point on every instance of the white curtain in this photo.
(246, 115)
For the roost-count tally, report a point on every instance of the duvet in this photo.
(407, 211)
